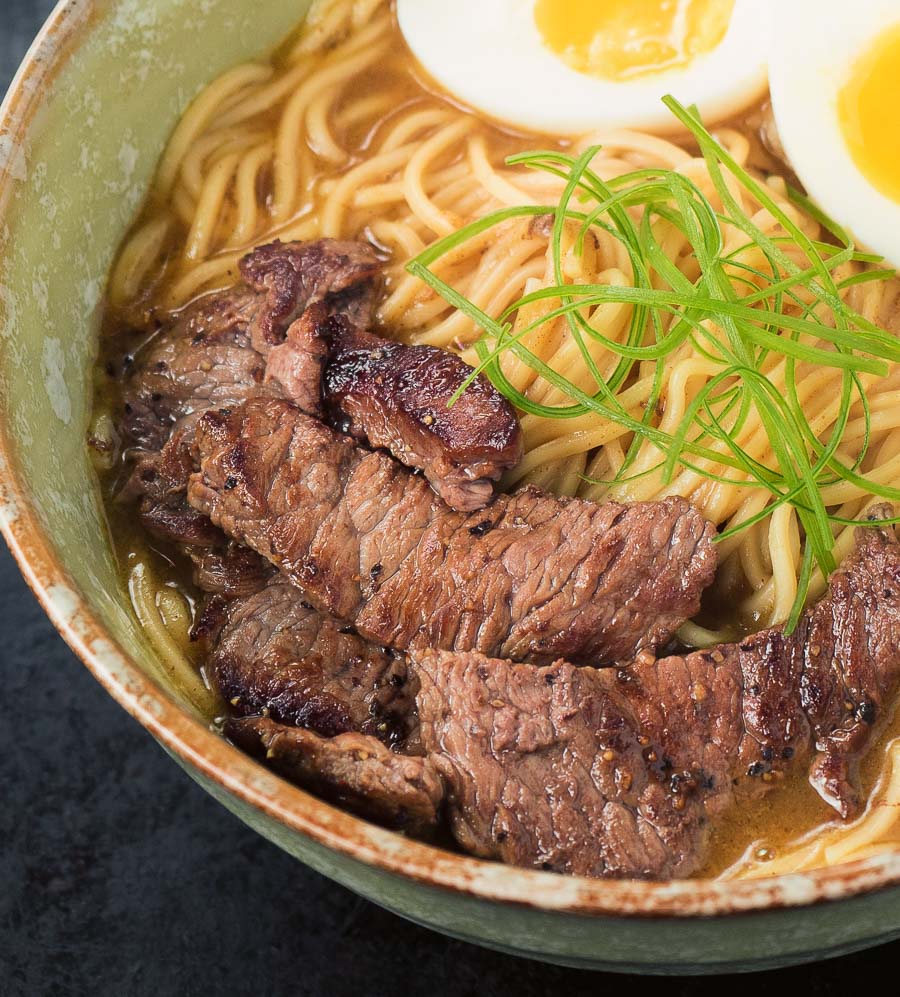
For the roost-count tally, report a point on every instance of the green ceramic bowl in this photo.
(80, 133)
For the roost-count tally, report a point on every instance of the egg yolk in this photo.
(623, 39)
(869, 106)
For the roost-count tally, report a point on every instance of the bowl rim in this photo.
(222, 764)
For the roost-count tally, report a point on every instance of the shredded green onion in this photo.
(669, 309)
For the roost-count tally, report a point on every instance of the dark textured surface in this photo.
(119, 876)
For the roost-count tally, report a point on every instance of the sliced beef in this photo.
(622, 772)
(533, 577)
(272, 650)
(212, 353)
(293, 276)
(545, 767)
(159, 481)
(398, 397)
(352, 770)
(203, 358)
(229, 570)
(296, 366)
(295, 328)
(275, 653)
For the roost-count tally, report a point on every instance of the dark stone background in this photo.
(119, 876)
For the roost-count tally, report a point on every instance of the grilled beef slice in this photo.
(276, 654)
(292, 276)
(213, 353)
(295, 328)
(621, 772)
(159, 481)
(352, 770)
(295, 367)
(205, 358)
(532, 577)
(397, 397)
(202, 359)
(272, 651)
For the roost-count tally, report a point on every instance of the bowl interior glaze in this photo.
(113, 79)
(80, 134)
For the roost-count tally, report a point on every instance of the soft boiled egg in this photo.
(572, 66)
(836, 98)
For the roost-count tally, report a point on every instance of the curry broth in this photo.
(759, 830)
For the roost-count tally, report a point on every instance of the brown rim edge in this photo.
(204, 751)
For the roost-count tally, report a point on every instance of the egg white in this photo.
(490, 55)
(813, 56)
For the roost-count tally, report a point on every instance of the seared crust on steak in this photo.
(352, 770)
(622, 772)
(398, 397)
(296, 329)
(213, 353)
(292, 276)
(276, 654)
(532, 578)
(405, 645)
(202, 359)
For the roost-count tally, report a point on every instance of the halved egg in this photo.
(836, 99)
(571, 66)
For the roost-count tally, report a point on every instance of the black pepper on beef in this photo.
(289, 277)
(274, 654)
(624, 772)
(159, 484)
(213, 353)
(304, 667)
(355, 771)
(201, 359)
(205, 357)
(399, 398)
(298, 327)
(620, 771)
(533, 577)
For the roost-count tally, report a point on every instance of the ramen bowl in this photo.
(80, 133)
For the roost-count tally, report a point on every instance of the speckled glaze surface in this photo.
(80, 132)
